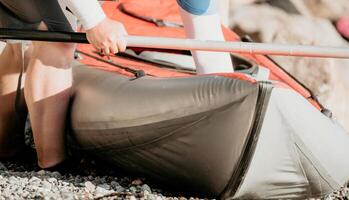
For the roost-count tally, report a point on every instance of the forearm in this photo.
(89, 12)
(104, 34)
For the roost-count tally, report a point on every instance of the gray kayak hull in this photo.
(202, 134)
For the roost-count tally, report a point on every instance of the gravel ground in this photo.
(342, 194)
(89, 179)
(84, 178)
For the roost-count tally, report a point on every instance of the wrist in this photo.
(91, 22)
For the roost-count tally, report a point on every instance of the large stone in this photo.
(225, 5)
(301, 7)
(328, 78)
(331, 9)
(237, 3)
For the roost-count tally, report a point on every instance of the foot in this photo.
(67, 166)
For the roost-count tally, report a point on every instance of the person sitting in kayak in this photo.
(49, 75)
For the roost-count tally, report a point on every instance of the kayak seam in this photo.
(240, 171)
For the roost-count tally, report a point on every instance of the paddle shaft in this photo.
(187, 44)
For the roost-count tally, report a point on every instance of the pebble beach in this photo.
(83, 178)
(89, 179)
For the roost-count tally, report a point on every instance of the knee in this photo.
(10, 59)
(65, 49)
(13, 50)
(62, 53)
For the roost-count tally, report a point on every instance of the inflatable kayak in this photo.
(254, 134)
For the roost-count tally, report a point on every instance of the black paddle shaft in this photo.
(47, 36)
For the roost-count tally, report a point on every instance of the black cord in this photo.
(136, 73)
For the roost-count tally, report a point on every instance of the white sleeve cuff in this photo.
(89, 12)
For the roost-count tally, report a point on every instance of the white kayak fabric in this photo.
(300, 152)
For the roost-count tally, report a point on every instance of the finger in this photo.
(101, 52)
(122, 44)
(114, 49)
(106, 51)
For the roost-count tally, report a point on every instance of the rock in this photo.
(12, 179)
(104, 186)
(133, 198)
(133, 189)
(137, 182)
(327, 78)
(41, 172)
(56, 174)
(52, 180)
(146, 194)
(2, 166)
(65, 184)
(101, 191)
(67, 196)
(34, 179)
(103, 179)
(114, 184)
(46, 185)
(239, 3)
(329, 9)
(145, 187)
(286, 5)
(120, 189)
(90, 187)
(302, 8)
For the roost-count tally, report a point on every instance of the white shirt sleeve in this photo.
(89, 12)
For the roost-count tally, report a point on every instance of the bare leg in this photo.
(206, 27)
(11, 124)
(47, 92)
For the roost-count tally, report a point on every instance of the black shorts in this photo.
(27, 14)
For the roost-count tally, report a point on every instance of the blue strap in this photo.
(199, 7)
